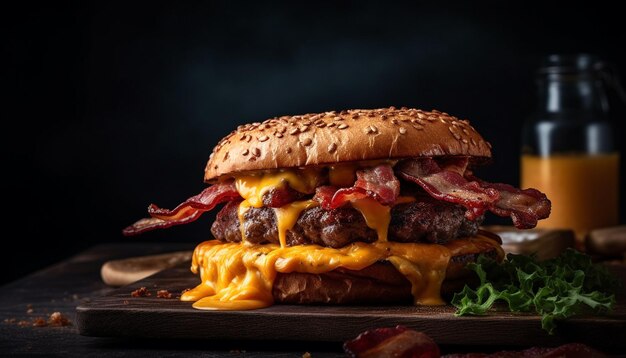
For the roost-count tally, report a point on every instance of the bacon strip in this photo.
(392, 342)
(188, 211)
(524, 207)
(448, 184)
(378, 182)
(451, 183)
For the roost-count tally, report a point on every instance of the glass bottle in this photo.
(568, 150)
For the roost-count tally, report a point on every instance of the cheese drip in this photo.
(287, 215)
(252, 187)
(238, 276)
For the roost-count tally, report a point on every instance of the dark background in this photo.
(112, 106)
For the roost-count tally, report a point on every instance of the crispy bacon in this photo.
(450, 182)
(392, 342)
(324, 195)
(280, 196)
(186, 212)
(404, 342)
(524, 207)
(378, 183)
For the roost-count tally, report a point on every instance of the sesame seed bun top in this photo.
(346, 136)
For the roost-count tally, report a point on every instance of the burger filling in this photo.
(419, 215)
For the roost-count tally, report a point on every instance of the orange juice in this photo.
(583, 189)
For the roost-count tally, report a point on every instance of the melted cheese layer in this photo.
(240, 276)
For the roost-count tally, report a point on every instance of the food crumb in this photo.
(10, 320)
(57, 319)
(30, 310)
(164, 294)
(39, 322)
(141, 292)
(23, 323)
(125, 302)
(306, 355)
(185, 290)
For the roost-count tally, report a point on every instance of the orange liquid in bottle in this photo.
(583, 189)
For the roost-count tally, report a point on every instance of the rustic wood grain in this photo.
(120, 315)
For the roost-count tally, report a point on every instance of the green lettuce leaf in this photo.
(556, 289)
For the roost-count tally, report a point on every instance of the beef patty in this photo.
(425, 220)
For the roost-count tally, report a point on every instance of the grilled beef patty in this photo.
(426, 220)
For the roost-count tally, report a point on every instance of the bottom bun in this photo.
(379, 283)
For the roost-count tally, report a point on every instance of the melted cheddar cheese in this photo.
(239, 276)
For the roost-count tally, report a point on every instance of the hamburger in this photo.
(351, 207)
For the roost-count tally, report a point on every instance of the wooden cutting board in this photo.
(119, 314)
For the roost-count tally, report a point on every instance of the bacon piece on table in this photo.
(392, 342)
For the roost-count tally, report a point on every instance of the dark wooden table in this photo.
(62, 287)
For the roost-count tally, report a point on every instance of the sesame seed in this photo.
(256, 152)
(226, 156)
(394, 121)
(278, 134)
(392, 108)
(248, 138)
(245, 152)
(342, 126)
(282, 130)
(294, 131)
(383, 117)
(263, 138)
(432, 118)
(418, 127)
(338, 118)
(488, 144)
(321, 125)
(464, 140)
(307, 142)
(421, 115)
(374, 129)
(331, 124)
(465, 131)
(289, 150)
(332, 147)
(402, 130)
(473, 142)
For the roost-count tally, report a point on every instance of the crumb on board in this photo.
(39, 322)
(164, 294)
(306, 355)
(141, 292)
(57, 319)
